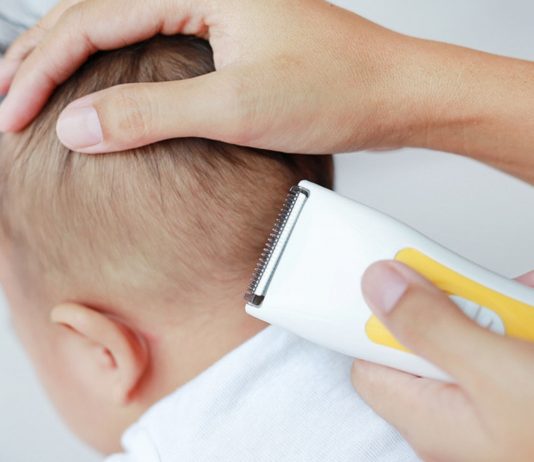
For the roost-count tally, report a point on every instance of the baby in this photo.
(125, 274)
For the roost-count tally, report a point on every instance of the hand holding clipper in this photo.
(307, 279)
(487, 414)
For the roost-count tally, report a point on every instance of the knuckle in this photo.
(134, 112)
(20, 48)
(242, 104)
(43, 54)
(37, 31)
(73, 16)
(412, 314)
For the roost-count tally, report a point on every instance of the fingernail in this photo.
(79, 127)
(383, 284)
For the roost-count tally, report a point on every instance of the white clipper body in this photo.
(308, 279)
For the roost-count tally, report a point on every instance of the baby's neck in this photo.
(182, 350)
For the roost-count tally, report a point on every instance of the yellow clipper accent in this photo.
(517, 317)
(377, 333)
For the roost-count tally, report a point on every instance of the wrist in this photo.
(470, 103)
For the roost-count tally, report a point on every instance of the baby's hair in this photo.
(180, 214)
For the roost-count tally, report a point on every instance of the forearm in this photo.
(324, 81)
(474, 104)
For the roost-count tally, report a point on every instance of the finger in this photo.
(26, 42)
(7, 70)
(425, 320)
(132, 115)
(428, 413)
(527, 279)
(16, 54)
(80, 32)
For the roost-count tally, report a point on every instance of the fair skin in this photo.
(305, 76)
(106, 360)
(487, 415)
(331, 81)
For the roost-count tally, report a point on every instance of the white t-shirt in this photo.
(275, 398)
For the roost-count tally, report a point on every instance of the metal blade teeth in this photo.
(272, 241)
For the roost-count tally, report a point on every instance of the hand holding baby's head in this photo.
(125, 272)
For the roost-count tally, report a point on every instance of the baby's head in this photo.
(125, 272)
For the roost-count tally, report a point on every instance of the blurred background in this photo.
(474, 210)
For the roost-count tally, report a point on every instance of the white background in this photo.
(473, 209)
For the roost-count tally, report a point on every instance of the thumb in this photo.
(426, 321)
(132, 115)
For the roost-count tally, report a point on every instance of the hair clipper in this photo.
(308, 279)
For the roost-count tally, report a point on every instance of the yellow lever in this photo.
(517, 317)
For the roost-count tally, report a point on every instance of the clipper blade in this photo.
(275, 245)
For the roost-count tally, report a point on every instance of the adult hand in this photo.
(487, 415)
(295, 76)
(27, 42)
(289, 75)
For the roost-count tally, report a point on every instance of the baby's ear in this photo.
(108, 355)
